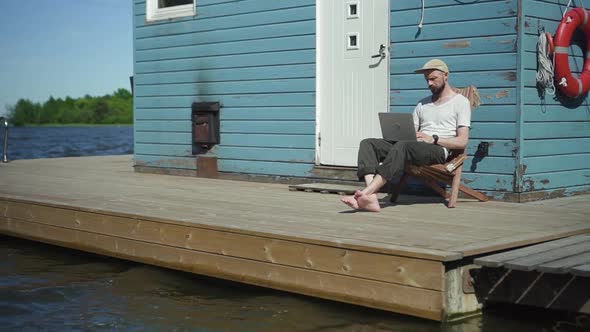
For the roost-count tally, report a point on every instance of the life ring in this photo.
(568, 84)
(550, 45)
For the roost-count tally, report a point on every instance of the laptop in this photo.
(397, 126)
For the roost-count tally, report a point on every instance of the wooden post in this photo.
(459, 302)
(207, 167)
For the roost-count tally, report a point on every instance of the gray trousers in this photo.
(388, 159)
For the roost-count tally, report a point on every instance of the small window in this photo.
(172, 3)
(165, 9)
(352, 9)
(353, 41)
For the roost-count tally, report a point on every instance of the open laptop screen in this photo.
(397, 126)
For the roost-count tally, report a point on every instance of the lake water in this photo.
(47, 288)
(52, 142)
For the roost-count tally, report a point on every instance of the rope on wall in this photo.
(567, 7)
(544, 65)
(421, 16)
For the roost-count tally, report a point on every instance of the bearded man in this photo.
(442, 123)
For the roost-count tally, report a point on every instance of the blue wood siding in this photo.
(556, 132)
(256, 57)
(478, 40)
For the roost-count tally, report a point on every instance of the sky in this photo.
(64, 48)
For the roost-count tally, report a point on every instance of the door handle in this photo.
(382, 52)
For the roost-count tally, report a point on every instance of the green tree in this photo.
(101, 111)
(24, 112)
(109, 109)
(49, 111)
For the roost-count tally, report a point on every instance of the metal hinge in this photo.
(319, 139)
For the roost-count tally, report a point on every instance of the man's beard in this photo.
(437, 90)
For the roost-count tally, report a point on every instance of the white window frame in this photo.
(350, 15)
(349, 46)
(153, 13)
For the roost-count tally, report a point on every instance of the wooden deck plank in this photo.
(317, 208)
(454, 218)
(581, 270)
(417, 224)
(521, 239)
(530, 262)
(210, 222)
(475, 228)
(389, 230)
(498, 260)
(566, 264)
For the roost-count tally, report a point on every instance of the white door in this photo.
(353, 75)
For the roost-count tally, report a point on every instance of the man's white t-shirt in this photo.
(444, 119)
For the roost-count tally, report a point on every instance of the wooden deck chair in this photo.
(448, 173)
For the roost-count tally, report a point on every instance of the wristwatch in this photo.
(435, 138)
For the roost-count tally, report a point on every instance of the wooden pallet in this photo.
(325, 188)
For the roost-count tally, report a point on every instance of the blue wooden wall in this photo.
(256, 57)
(555, 130)
(478, 40)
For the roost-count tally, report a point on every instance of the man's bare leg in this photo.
(368, 179)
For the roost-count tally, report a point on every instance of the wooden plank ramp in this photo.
(411, 258)
(560, 256)
(325, 188)
(554, 274)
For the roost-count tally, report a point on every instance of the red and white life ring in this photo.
(568, 84)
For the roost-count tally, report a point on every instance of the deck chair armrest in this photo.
(455, 163)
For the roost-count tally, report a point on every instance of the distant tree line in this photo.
(108, 109)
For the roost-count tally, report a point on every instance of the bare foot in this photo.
(367, 202)
(350, 201)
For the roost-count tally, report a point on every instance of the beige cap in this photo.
(434, 64)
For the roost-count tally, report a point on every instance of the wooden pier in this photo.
(412, 258)
(554, 275)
